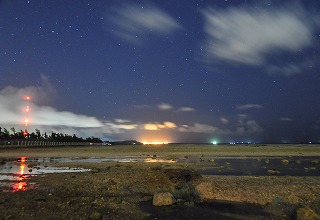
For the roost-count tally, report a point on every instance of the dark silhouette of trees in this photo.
(5, 134)
(55, 137)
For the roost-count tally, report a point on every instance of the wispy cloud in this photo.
(165, 106)
(118, 126)
(202, 128)
(120, 120)
(248, 36)
(249, 106)
(285, 119)
(158, 126)
(133, 20)
(186, 109)
(224, 120)
(249, 127)
(286, 70)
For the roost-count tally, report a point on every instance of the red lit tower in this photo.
(26, 120)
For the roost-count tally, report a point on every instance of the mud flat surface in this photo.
(118, 190)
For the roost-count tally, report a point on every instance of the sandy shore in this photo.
(125, 190)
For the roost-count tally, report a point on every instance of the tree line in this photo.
(13, 134)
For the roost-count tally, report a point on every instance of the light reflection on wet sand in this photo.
(15, 175)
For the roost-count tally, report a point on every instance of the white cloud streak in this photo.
(287, 119)
(186, 109)
(120, 120)
(203, 128)
(133, 20)
(249, 36)
(286, 70)
(249, 106)
(159, 126)
(165, 106)
(224, 120)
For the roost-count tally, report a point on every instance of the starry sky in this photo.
(160, 70)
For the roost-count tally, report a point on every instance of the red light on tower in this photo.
(26, 121)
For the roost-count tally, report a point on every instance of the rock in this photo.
(273, 172)
(204, 191)
(306, 213)
(163, 199)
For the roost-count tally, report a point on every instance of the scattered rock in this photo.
(306, 213)
(273, 172)
(163, 199)
(285, 162)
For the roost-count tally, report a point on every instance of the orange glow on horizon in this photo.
(155, 143)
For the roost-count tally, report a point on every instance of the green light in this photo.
(214, 142)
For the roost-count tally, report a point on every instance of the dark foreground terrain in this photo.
(114, 190)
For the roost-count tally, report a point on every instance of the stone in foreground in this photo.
(163, 199)
(306, 213)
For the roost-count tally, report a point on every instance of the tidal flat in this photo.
(123, 188)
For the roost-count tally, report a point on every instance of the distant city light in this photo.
(155, 143)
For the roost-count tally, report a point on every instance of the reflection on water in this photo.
(15, 174)
(158, 160)
(20, 184)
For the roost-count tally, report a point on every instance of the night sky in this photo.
(163, 70)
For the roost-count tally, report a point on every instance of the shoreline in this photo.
(164, 150)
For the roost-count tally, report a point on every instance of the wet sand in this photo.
(114, 190)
